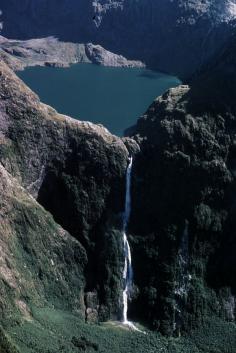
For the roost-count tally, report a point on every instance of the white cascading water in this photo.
(184, 277)
(128, 271)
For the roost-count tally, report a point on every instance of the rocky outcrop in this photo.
(100, 56)
(51, 52)
(76, 171)
(183, 217)
(176, 36)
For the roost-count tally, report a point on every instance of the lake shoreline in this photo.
(112, 96)
(49, 51)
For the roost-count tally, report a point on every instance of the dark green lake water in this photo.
(114, 97)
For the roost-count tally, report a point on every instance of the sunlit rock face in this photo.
(172, 35)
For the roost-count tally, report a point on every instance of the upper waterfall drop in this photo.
(128, 195)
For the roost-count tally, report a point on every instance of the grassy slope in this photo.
(54, 331)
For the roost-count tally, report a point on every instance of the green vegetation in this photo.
(6, 346)
(54, 331)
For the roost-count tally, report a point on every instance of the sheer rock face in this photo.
(184, 214)
(76, 171)
(176, 36)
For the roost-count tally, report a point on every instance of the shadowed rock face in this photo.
(183, 216)
(176, 36)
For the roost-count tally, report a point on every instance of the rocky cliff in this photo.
(183, 217)
(176, 36)
(76, 171)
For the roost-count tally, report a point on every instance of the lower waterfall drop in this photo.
(128, 271)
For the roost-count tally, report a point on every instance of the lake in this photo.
(114, 97)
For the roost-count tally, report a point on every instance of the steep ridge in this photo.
(176, 36)
(183, 218)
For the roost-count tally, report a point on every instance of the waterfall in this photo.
(183, 278)
(183, 260)
(127, 272)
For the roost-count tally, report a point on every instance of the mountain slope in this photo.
(41, 264)
(176, 36)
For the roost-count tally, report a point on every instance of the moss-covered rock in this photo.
(41, 263)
